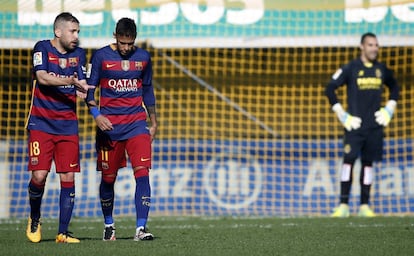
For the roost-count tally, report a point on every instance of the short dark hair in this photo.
(368, 34)
(64, 17)
(126, 27)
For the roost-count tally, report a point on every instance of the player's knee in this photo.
(346, 172)
(141, 171)
(367, 176)
(67, 184)
(109, 179)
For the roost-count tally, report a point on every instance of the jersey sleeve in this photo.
(92, 75)
(339, 78)
(82, 65)
(391, 83)
(40, 57)
(147, 87)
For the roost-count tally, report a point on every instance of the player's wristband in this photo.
(94, 112)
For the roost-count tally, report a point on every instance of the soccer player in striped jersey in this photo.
(365, 119)
(58, 76)
(124, 74)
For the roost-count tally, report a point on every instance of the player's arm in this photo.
(44, 78)
(93, 77)
(149, 102)
(149, 98)
(83, 87)
(338, 79)
(383, 115)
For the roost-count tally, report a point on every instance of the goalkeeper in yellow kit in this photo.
(364, 120)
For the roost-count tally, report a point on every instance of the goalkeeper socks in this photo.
(106, 191)
(35, 197)
(345, 191)
(365, 191)
(142, 200)
(67, 201)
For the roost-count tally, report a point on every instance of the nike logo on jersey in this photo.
(145, 159)
(73, 165)
(72, 194)
(110, 65)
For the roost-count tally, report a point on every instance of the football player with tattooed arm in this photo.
(58, 76)
(124, 74)
(364, 120)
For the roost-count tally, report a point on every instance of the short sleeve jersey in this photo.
(53, 108)
(122, 81)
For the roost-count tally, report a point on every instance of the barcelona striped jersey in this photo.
(53, 108)
(125, 86)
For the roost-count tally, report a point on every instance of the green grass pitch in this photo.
(216, 236)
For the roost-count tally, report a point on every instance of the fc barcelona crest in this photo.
(34, 161)
(73, 62)
(63, 62)
(138, 65)
(125, 65)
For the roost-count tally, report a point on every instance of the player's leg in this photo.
(67, 164)
(110, 159)
(345, 189)
(352, 145)
(365, 180)
(36, 189)
(142, 203)
(141, 162)
(372, 151)
(40, 148)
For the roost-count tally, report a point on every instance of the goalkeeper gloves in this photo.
(348, 121)
(383, 115)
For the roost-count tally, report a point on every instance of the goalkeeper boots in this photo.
(365, 211)
(109, 233)
(33, 231)
(342, 211)
(66, 238)
(141, 234)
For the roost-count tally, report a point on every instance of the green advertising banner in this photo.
(209, 19)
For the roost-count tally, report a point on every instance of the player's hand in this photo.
(103, 123)
(383, 115)
(348, 121)
(153, 131)
(81, 85)
(80, 94)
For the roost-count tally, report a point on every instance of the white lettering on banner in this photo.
(171, 182)
(4, 187)
(409, 171)
(391, 182)
(318, 178)
(28, 14)
(356, 13)
(90, 12)
(233, 180)
(120, 9)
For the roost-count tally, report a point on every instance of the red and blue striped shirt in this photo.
(125, 87)
(53, 108)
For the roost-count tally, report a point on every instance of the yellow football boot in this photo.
(33, 231)
(342, 211)
(365, 211)
(66, 238)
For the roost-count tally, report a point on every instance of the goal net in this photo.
(244, 125)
